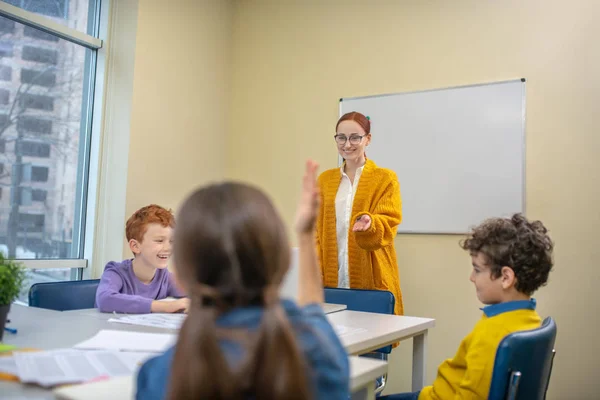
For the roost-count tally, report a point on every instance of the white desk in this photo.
(48, 329)
(363, 372)
(328, 308)
(379, 330)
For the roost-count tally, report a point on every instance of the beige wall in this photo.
(293, 60)
(180, 100)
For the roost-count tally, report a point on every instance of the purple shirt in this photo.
(121, 291)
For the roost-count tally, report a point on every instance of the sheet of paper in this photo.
(8, 365)
(50, 368)
(120, 388)
(169, 321)
(129, 341)
(343, 330)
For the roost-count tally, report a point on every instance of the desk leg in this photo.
(366, 393)
(419, 355)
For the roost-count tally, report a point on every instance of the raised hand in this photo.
(308, 207)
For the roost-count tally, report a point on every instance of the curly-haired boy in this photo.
(512, 258)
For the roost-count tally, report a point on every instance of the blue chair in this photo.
(64, 296)
(375, 301)
(524, 363)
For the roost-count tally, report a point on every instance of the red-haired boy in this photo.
(134, 286)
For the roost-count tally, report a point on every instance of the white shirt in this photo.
(343, 212)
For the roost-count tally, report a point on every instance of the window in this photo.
(31, 222)
(75, 14)
(39, 195)
(50, 8)
(4, 96)
(5, 73)
(37, 34)
(39, 174)
(6, 25)
(45, 118)
(6, 49)
(40, 55)
(34, 149)
(33, 124)
(41, 78)
(36, 101)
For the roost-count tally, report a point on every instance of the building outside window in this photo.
(46, 96)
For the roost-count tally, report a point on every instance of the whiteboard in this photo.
(459, 152)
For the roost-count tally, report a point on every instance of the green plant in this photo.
(12, 276)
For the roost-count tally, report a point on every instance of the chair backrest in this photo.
(375, 301)
(524, 363)
(64, 296)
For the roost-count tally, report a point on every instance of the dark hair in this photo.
(231, 250)
(516, 243)
(357, 117)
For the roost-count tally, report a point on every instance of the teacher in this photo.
(359, 216)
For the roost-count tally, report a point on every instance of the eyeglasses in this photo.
(354, 139)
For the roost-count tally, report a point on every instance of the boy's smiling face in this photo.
(155, 248)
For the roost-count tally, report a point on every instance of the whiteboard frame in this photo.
(523, 136)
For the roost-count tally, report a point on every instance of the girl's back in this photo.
(240, 340)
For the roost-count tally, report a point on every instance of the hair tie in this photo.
(368, 118)
(204, 295)
(270, 295)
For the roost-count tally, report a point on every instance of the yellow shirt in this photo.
(371, 254)
(469, 374)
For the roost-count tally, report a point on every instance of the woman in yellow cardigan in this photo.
(359, 216)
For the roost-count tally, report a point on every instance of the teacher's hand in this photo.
(362, 224)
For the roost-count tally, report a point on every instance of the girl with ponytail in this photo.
(239, 340)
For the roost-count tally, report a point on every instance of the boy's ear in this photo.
(508, 277)
(134, 246)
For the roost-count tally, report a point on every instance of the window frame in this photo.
(101, 237)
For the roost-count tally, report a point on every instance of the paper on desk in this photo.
(50, 368)
(169, 321)
(129, 341)
(343, 330)
(8, 365)
(119, 388)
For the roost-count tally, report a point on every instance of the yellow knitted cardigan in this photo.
(371, 254)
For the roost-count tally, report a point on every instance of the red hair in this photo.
(357, 117)
(137, 224)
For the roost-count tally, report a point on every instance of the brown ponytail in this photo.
(279, 367)
(199, 369)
